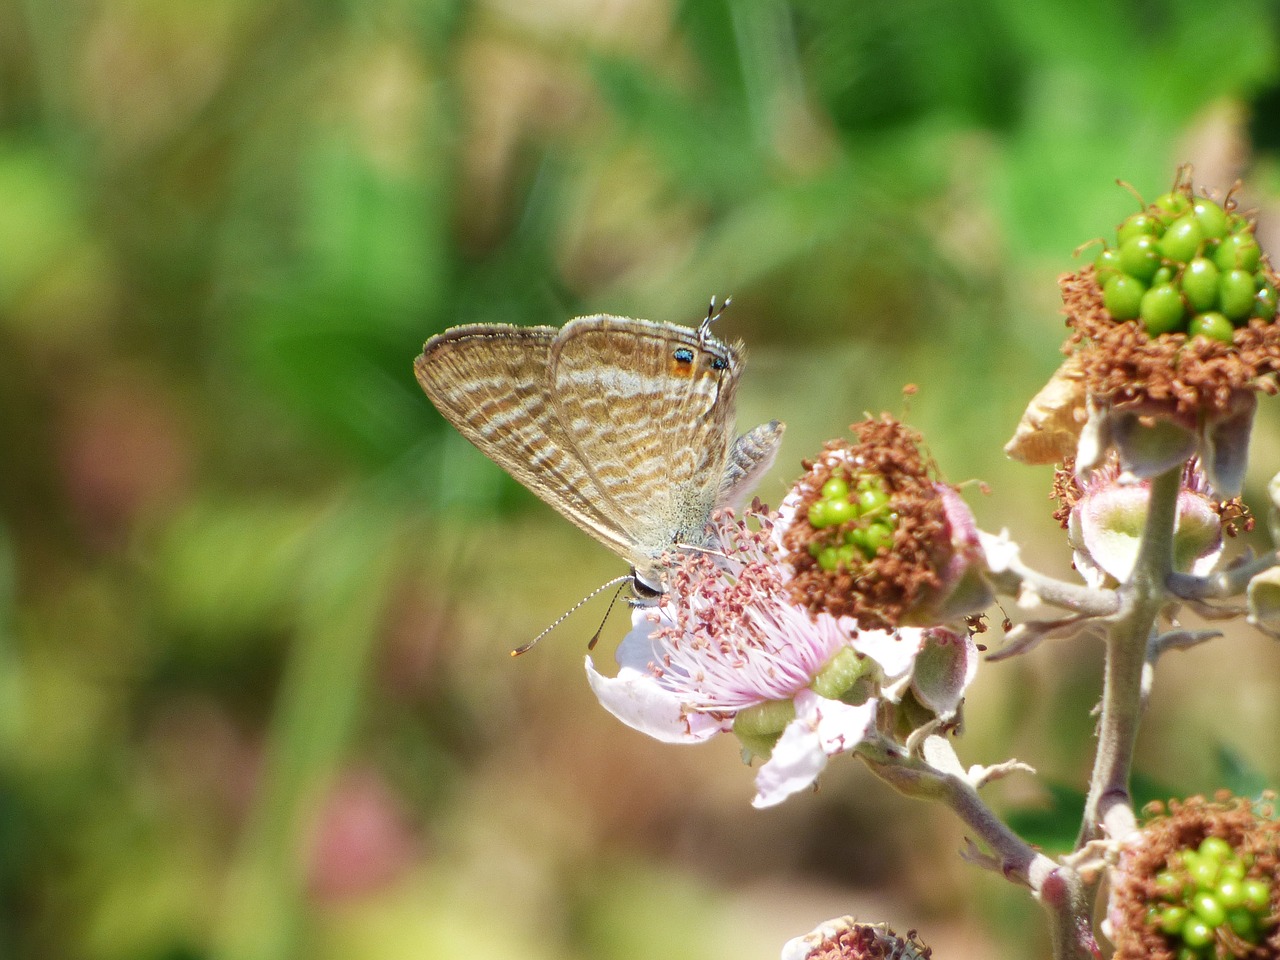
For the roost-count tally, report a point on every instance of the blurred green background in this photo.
(256, 598)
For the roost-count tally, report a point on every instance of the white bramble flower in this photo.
(728, 649)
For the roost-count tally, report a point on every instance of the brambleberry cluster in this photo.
(857, 513)
(1187, 264)
(1207, 895)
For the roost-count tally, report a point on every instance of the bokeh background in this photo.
(256, 598)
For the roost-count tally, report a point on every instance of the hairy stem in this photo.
(1109, 807)
(1057, 887)
(1012, 856)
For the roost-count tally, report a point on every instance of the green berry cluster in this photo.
(1207, 898)
(1186, 264)
(860, 508)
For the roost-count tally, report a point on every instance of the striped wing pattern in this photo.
(622, 425)
(490, 382)
(652, 428)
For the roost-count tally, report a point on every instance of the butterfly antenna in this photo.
(568, 613)
(713, 314)
(595, 637)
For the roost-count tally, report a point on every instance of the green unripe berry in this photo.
(847, 555)
(1182, 240)
(1138, 224)
(872, 500)
(1213, 219)
(1161, 309)
(1238, 251)
(1200, 284)
(1172, 919)
(1215, 326)
(1257, 895)
(1173, 204)
(1164, 275)
(1196, 933)
(1209, 909)
(1230, 892)
(818, 514)
(1215, 847)
(1233, 869)
(1168, 884)
(1107, 264)
(828, 559)
(1188, 953)
(878, 535)
(1244, 924)
(1264, 302)
(1122, 296)
(1235, 294)
(836, 488)
(839, 511)
(1140, 257)
(1202, 871)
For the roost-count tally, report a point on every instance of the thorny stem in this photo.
(1109, 807)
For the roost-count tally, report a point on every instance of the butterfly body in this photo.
(624, 426)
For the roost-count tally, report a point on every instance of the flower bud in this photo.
(1106, 523)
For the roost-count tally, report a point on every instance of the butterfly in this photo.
(624, 426)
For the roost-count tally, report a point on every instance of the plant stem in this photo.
(1057, 887)
(1109, 807)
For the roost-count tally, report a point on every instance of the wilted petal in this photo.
(1029, 634)
(1095, 438)
(943, 671)
(822, 729)
(1049, 430)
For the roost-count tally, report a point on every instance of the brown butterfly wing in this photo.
(491, 382)
(649, 409)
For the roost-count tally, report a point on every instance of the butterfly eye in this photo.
(683, 355)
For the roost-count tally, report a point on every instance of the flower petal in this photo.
(822, 729)
(894, 650)
(1095, 438)
(639, 701)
